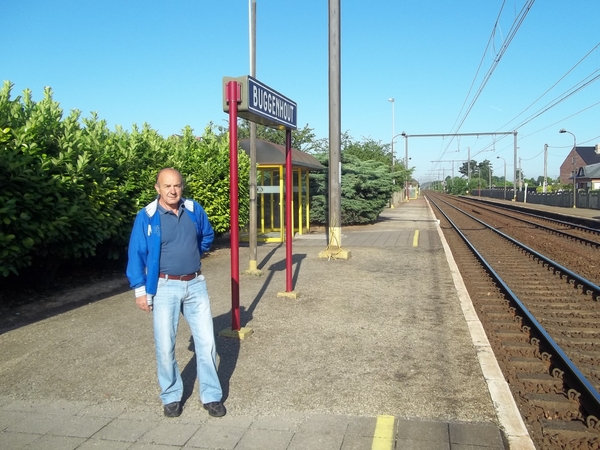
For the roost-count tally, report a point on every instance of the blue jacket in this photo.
(144, 244)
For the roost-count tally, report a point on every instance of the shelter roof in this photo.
(268, 153)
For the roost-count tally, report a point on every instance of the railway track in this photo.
(585, 234)
(541, 316)
(569, 247)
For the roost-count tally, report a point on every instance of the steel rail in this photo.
(584, 282)
(594, 230)
(544, 227)
(591, 397)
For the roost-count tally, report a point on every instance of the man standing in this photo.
(168, 238)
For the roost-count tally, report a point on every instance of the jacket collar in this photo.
(152, 207)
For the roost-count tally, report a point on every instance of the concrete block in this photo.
(256, 439)
(124, 430)
(213, 436)
(479, 434)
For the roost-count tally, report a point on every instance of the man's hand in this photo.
(142, 303)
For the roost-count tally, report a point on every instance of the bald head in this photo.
(167, 170)
(169, 186)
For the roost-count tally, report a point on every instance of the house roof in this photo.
(590, 171)
(268, 153)
(588, 155)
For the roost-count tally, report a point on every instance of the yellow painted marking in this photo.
(383, 439)
(416, 239)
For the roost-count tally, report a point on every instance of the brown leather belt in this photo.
(187, 277)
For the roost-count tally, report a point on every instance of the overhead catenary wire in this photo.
(557, 100)
(553, 86)
(490, 41)
(562, 120)
(510, 36)
(469, 102)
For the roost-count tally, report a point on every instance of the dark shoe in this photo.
(172, 409)
(215, 409)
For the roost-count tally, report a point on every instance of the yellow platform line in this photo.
(383, 439)
(416, 239)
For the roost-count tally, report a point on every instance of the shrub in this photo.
(71, 187)
(365, 190)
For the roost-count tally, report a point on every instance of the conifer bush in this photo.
(366, 189)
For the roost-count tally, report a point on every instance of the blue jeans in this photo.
(190, 298)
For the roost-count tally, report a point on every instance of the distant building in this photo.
(577, 158)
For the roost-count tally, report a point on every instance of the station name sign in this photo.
(261, 104)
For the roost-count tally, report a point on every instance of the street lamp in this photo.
(562, 130)
(500, 157)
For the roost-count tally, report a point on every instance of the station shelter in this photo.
(270, 190)
(413, 191)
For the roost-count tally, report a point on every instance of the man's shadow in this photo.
(228, 349)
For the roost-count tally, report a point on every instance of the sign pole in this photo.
(288, 210)
(248, 98)
(232, 98)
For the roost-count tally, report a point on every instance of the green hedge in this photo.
(70, 187)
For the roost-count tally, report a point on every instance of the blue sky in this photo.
(162, 62)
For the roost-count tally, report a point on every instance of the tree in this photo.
(369, 150)
(302, 139)
(464, 168)
(479, 171)
(365, 190)
(457, 186)
(483, 171)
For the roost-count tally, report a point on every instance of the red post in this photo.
(233, 97)
(288, 210)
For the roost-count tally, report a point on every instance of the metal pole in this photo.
(468, 167)
(405, 136)
(252, 238)
(574, 173)
(335, 126)
(406, 168)
(574, 184)
(520, 176)
(288, 210)
(500, 157)
(515, 178)
(443, 179)
(393, 129)
(393, 137)
(233, 98)
(545, 187)
(504, 180)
